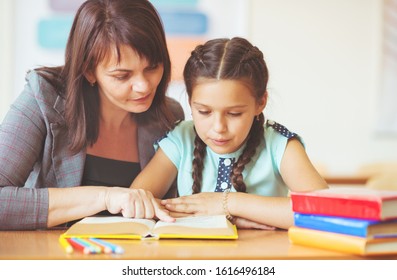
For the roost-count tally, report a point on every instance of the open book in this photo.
(115, 227)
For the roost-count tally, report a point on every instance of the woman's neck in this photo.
(117, 138)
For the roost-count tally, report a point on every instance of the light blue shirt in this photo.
(261, 175)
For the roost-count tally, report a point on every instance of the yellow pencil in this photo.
(65, 245)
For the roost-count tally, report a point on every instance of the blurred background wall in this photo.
(326, 61)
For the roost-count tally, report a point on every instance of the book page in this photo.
(116, 219)
(197, 222)
(196, 227)
(110, 225)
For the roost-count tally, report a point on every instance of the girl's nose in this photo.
(219, 124)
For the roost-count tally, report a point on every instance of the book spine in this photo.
(362, 209)
(331, 224)
(326, 240)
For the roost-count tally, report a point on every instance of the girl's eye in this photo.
(235, 114)
(203, 112)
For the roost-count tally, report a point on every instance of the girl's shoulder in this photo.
(184, 128)
(272, 127)
(183, 132)
(277, 134)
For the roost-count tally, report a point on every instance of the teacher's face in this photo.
(128, 84)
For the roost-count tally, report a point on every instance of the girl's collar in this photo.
(235, 154)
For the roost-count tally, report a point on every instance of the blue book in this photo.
(349, 226)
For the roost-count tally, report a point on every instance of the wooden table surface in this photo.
(252, 244)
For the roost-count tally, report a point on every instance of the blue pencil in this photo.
(105, 249)
(115, 249)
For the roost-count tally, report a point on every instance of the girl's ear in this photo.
(262, 104)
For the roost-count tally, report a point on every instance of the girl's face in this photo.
(223, 112)
(129, 85)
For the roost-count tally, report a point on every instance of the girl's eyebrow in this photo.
(230, 107)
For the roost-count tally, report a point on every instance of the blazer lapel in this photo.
(68, 167)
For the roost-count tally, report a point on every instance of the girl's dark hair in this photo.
(99, 27)
(228, 59)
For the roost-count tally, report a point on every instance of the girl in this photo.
(229, 157)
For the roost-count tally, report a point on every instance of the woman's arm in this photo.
(22, 138)
(74, 203)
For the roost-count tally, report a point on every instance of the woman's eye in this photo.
(152, 67)
(120, 78)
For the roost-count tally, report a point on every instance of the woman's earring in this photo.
(257, 118)
(92, 84)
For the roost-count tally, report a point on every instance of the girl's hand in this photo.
(247, 224)
(136, 203)
(207, 203)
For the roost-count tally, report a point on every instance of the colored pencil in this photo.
(105, 249)
(95, 249)
(79, 246)
(115, 248)
(65, 245)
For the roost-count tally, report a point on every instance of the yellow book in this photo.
(116, 227)
(342, 242)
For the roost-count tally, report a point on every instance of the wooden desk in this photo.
(252, 244)
(346, 180)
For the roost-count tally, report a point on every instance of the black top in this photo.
(99, 171)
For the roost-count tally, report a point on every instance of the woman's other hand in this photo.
(136, 203)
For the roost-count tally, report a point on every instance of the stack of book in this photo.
(347, 219)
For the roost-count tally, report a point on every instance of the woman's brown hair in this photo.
(228, 59)
(99, 27)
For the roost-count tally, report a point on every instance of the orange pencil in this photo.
(105, 249)
(115, 248)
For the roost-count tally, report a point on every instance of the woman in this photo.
(90, 122)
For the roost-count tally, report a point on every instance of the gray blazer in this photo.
(34, 154)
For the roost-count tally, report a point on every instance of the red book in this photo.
(353, 202)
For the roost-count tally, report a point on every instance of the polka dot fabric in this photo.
(225, 167)
(282, 129)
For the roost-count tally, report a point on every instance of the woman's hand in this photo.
(207, 203)
(136, 203)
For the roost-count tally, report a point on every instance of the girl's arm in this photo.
(297, 172)
(157, 176)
